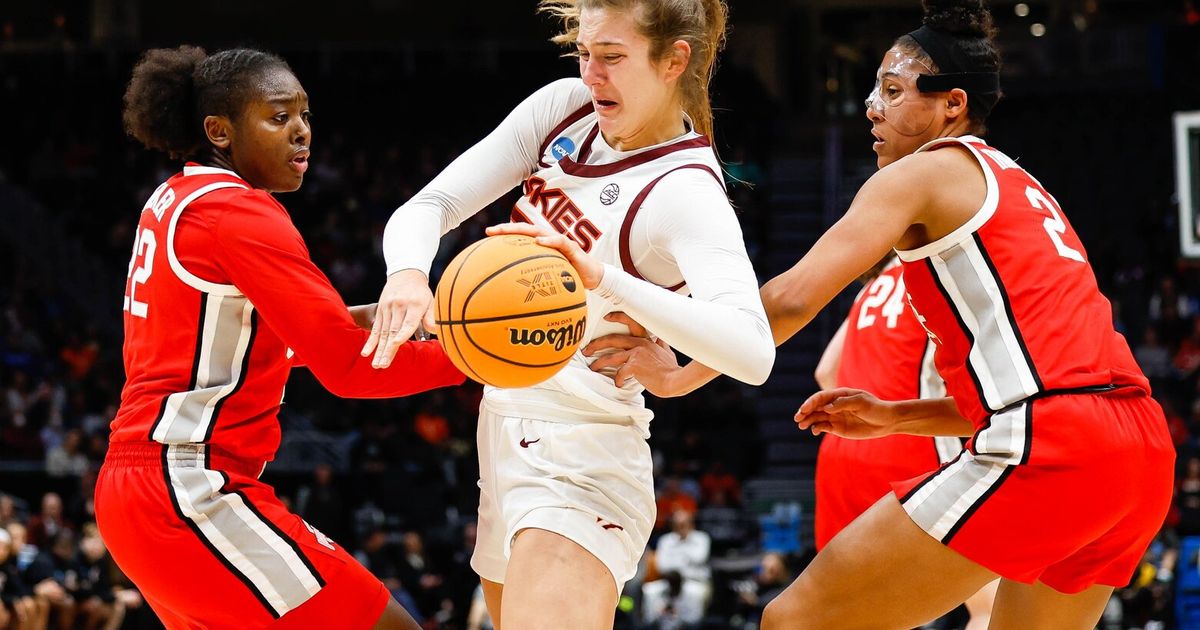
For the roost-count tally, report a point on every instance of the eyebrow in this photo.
(286, 100)
(606, 43)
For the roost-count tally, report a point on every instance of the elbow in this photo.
(758, 368)
(825, 375)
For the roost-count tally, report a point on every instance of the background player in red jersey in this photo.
(881, 348)
(1067, 475)
(222, 300)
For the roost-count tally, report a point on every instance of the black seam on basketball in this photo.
(510, 361)
(488, 320)
(479, 285)
(467, 253)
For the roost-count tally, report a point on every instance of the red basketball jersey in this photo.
(221, 291)
(887, 353)
(1011, 300)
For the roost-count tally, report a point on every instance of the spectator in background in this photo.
(379, 557)
(321, 504)
(47, 524)
(55, 577)
(682, 559)
(1153, 357)
(672, 498)
(1187, 498)
(722, 521)
(676, 607)
(19, 609)
(1166, 298)
(101, 603)
(22, 551)
(419, 575)
(1187, 358)
(80, 355)
(431, 425)
(719, 480)
(773, 576)
(68, 457)
(8, 510)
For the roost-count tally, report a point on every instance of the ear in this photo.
(956, 103)
(219, 130)
(676, 59)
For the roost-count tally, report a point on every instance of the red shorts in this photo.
(853, 474)
(210, 546)
(1068, 490)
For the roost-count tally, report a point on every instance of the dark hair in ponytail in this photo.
(958, 33)
(173, 89)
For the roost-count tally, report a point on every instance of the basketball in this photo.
(510, 312)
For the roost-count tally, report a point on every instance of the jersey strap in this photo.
(627, 224)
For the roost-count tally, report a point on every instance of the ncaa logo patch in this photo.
(562, 148)
(568, 281)
(608, 196)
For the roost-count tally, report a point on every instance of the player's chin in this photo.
(288, 182)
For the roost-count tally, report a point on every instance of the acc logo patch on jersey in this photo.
(608, 196)
(562, 148)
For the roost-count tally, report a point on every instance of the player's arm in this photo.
(893, 199)
(831, 358)
(479, 176)
(264, 256)
(857, 414)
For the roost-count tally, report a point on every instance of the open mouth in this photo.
(605, 104)
(879, 141)
(300, 161)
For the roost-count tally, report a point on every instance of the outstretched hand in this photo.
(405, 304)
(589, 269)
(850, 413)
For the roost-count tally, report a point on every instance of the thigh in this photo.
(1039, 607)
(493, 593)
(880, 572)
(979, 606)
(554, 583)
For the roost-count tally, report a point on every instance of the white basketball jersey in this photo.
(596, 206)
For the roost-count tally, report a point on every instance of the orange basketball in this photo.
(510, 312)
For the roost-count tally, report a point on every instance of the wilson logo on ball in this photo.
(559, 337)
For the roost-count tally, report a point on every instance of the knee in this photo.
(781, 614)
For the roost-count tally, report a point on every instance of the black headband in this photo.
(952, 63)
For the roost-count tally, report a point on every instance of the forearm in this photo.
(687, 325)
(930, 417)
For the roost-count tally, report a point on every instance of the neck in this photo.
(219, 159)
(956, 128)
(667, 124)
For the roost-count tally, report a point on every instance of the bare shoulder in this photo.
(947, 163)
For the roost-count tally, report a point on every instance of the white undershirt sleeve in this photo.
(477, 177)
(723, 325)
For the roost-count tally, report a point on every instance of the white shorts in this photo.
(591, 483)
